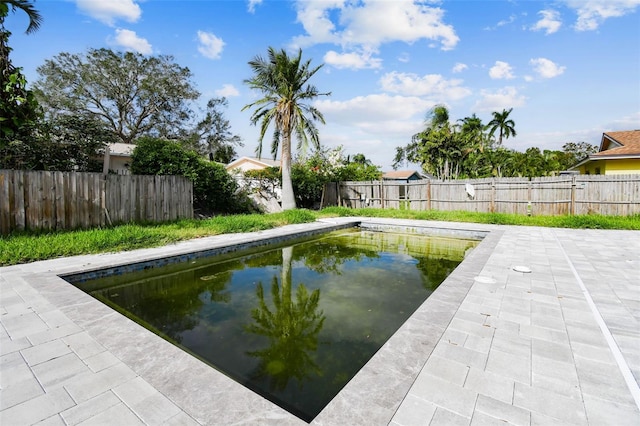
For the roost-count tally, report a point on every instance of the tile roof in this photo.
(624, 143)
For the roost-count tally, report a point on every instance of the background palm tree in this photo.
(284, 82)
(503, 124)
(473, 128)
(35, 19)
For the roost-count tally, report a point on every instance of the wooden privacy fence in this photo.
(40, 200)
(617, 195)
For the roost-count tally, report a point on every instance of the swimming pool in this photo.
(295, 322)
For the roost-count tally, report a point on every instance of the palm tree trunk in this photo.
(288, 198)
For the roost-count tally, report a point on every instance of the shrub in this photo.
(308, 183)
(214, 190)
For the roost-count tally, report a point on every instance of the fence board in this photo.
(5, 203)
(66, 200)
(584, 194)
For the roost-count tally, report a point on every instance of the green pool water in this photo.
(293, 323)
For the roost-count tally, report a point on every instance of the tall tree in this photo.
(473, 129)
(503, 124)
(438, 117)
(440, 148)
(133, 94)
(577, 151)
(212, 135)
(284, 82)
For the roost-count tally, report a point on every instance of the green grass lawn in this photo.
(30, 247)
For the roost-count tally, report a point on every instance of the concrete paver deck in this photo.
(557, 345)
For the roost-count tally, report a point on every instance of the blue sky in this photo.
(570, 69)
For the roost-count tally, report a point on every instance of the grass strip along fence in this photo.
(25, 247)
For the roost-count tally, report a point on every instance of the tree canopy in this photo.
(135, 95)
(18, 106)
(466, 150)
(284, 82)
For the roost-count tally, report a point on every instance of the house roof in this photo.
(401, 174)
(121, 149)
(619, 143)
(266, 162)
(615, 145)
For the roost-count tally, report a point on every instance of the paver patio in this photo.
(559, 345)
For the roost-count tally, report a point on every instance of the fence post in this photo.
(382, 193)
(338, 193)
(429, 194)
(492, 205)
(529, 189)
(572, 207)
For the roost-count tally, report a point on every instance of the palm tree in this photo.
(284, 82)
(438, 117)
(473, 127)
(15, 100)
(502, 123)
(35, 19)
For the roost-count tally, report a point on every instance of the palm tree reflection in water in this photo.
(292, 328)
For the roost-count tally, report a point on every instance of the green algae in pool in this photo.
(294, 323)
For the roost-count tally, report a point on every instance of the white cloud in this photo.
(592, 13)
(459, 67)
(502, 23)
(108, 11)
(550, 21)
(546, 68)
(227, 90)
(130, 41)
(591, 133)
(251, 7)
(501, 70)
(404, 57)
(629, 122)
(351, 60)
(433, 86)
(371, 23)
(505, 98)
(210, 46)
(378, 114)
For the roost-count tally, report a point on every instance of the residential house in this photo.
(403, 175)
(619, 154)
(266, 195)
(117, 158)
